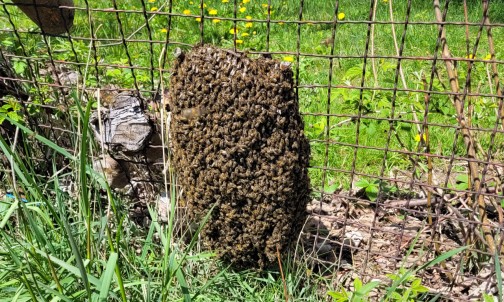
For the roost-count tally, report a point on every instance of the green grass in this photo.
(350, 40)
(60, 245)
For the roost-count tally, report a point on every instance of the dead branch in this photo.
(495, 72)
(462, 121)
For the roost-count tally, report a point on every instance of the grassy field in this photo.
(50, 242)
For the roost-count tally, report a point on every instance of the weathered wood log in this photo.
(47, 14)
(125, 127)
(132, 163)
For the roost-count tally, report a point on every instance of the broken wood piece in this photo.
(124, 126)
(113, 172)
(48, 15)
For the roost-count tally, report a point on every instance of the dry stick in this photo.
(468, 87)
(468, 140)
(498, 88)
(468, 53)
(437, 235)
(427, 151)
(409, 203)
(466, 18)
(401, 72)
(490, 86)
(491, 47)
(373, 62)
(286, 294)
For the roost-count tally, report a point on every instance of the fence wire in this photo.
(403, 110)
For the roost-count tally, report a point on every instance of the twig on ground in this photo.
(410, 203)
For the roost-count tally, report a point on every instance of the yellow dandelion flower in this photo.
(270, 12)
(239, 41)
(152, 1)
(204, 5)
(385, 1)
(288, 59)
(164, 30)
(153, 9)
(212, 12)
(254, 32)
(216, 20)
(488, 57)
(186, 12)
(191, 3)
(281, 23)
(341, 16)
(470, 56)
(245, 35)
(198, 19)
(245, 1)
(249, 24)
(265, 5)
(233, 31)
(242, 9)
(248, 17)
(417, 137)
(225, 1)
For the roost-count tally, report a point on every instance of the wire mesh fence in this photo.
(402, 104)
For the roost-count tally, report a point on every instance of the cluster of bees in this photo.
(238, 144)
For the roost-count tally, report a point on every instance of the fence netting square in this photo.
(402, 103)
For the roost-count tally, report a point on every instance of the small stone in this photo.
(353, 239)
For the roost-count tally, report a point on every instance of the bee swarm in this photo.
(238, 143)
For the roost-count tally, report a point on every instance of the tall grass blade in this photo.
(182, 281)
(441, 258)
(498, 275)
(107, 276)
(86, 208)
(71, 240)
(9, 213)
(39, 137)
(72, 269)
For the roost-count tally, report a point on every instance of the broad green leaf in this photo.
(488, 298)
(362, 183)
(368, 287)
(357, 284)
(462, 178)
(372, 192)
(353, 73)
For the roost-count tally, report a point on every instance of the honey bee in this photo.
(192, 113)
